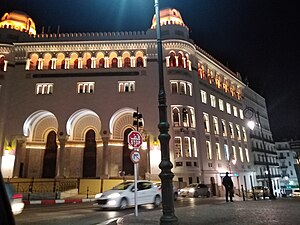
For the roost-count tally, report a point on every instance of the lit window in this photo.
(238, 132)
(174, 87)
(175, 114)
(192, 117)
(194, 147)
(241, 114)
(226, 152)
(233, 153)
(247, 155)
(235, 111)
(228, 108)
(231, 130)
(178, 151)
(206, 122)
(216, 125)
(203, 97)
(241, 154)
(126, 86)
(187, 147)
(208, 150)
(218, 151)
(85, 87)
(213, 101)
(244, 134)
(185, 117)
(44, 88)
(221, 104)
(224, 130)
(182, 86)
(189, 89)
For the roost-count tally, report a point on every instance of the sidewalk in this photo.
(262, 212)
(69, 199)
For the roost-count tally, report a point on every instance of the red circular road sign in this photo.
(135, 156)
(135, 139)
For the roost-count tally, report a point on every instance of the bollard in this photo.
(56, 193)
(29, 192)
(243, 193)
(87, 192)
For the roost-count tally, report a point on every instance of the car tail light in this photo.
(17, 196)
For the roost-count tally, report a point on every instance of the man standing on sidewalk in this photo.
(228, 184)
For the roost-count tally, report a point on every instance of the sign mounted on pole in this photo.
(135, 156)
(135, 139)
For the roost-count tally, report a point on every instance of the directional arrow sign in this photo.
(135, 156)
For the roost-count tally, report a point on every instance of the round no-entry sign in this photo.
(135, 139)
(135, 156)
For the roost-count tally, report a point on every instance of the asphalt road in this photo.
(88, 214)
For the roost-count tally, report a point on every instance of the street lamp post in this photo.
(165, 165)
(249, 112)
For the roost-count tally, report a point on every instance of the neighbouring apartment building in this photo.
(67, 102)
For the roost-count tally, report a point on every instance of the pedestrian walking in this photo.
(228, 184)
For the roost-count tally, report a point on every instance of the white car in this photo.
(122, 195)
(15, 199)
(296, 193)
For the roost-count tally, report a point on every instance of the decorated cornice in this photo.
(6, 49)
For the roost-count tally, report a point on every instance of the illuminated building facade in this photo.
(67, 103)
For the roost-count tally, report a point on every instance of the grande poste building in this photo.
(67, 102)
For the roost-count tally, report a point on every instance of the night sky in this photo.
(257, 38)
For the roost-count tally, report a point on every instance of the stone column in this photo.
(19, 154)
(105, 156)
(60, 156)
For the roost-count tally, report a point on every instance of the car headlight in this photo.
(114, 195)
(191, 190)
(98, 195)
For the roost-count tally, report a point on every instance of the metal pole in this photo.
(272, 196)
(165, 165)
(135, 190)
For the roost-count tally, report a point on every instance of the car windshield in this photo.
(123, 186)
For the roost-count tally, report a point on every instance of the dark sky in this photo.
(257, 38)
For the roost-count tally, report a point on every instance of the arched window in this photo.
(89, 155)
(49, 162)
(175, 117)
(139, 62)
(101, 63)
(172, 59)
(127, 62)
(50, 64)
(2, 63)
(76, 64)
(89, 63)
(63, 63)
(185, 117)
(114, 63)
(192, 119)
(180, 60)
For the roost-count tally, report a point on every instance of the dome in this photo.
(17, 20)
(168, 16)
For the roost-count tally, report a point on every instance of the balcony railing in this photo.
(254, 149)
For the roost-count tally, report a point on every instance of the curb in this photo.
(58, 201)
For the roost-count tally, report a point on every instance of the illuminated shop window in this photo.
(44, 88)
(85, 87)
(203, 96)
(126, 86)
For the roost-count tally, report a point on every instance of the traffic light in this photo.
(137, 119)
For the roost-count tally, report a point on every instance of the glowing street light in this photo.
(249, 113)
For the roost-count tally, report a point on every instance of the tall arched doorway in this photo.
(49, 163)
(128, 165)
(89, 155)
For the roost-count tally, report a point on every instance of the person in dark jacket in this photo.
(228, 184)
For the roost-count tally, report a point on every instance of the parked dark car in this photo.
(195, 190)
